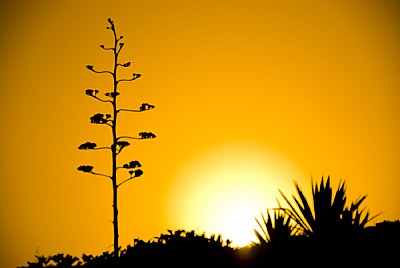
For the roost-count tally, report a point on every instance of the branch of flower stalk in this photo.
(143, 107)
(119, 151)
(130, 178)
(106, 48)
(102, 72)
(134, 174)
(97, 98)
(128, 110)
(128, 137)
(91, 68)
(121, 45)
(101, 148)
(127, 64)
(99, 174)
(135, 76)
(89, 169)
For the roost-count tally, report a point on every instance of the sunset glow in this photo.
(249, 96)
(223, 189)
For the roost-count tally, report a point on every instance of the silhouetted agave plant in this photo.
(327, 218)
(276, 229)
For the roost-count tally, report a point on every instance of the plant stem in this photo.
(114, 151)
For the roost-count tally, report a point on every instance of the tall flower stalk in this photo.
(118, 142)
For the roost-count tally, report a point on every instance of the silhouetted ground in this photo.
(376, 246)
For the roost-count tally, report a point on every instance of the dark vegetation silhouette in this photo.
(118, 142)
(324, 233)
(325, 229)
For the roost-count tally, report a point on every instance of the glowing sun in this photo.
(222, 190)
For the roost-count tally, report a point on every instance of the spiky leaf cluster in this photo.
(327, 216)
(277, 228)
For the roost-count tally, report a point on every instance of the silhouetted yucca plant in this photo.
(275, 230)
(326, 217)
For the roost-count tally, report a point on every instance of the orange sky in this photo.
(249, 96)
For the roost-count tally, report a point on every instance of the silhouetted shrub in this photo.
(180, 248)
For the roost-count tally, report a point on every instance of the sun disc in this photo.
(223, 190)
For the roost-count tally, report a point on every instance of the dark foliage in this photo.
(86, 169)
(147, 135)
(87, 146)
(122, 144)
(378, 245)
(132, 164)
(136, 173)
(136, 76)
(100, 118)
(91, 92)
(112, 94)
(146, 106)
